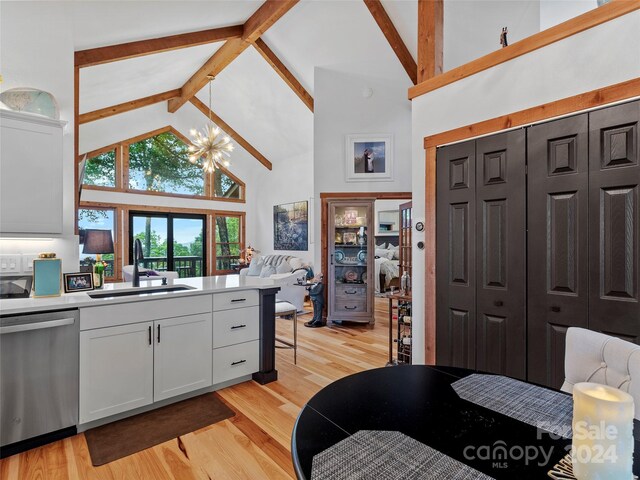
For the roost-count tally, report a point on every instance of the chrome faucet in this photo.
(137, 256)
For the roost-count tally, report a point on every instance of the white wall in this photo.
(340, 110)
(36, 50)
(553, 12)
(602, 56)
(472, 28)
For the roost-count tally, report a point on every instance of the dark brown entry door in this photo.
(455, 252)
(614, 219)
(558, 287)
(500, 254)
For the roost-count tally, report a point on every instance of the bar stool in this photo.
(288, 309)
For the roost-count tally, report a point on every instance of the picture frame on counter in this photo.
(47, 277)
(78, 282)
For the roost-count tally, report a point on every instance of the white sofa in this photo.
(284, 270)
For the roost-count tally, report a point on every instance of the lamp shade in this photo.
(97, 241)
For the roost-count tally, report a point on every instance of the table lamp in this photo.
(98, 242)
(602, 445)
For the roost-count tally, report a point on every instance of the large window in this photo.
(158, 163)
(228, 241)
(170, 242)
(161, 164)
(100, 171)
(99, 219)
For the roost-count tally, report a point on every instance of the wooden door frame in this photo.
(616, 93)
(324, 216)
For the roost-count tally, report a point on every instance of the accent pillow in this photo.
(267, 271)
(296, 263)
(393, 247)
(382, 246)
(284, 267)
(255, 267)
(382, 253)
(396, 255)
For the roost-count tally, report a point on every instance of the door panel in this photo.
(613, 203)
(500, 242)
(455, 246)
(557, 253)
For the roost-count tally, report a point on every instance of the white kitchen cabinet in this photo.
(235, 361)
(31, 159)
(116, 370)
(182, 356)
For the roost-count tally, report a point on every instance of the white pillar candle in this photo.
(602, 446)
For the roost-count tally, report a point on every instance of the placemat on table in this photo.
(377, 454)
(538, 406)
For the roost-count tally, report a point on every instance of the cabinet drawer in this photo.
(235, 361)
(226, 301)
(142, 311)
(350, 291)
(236, 326)
(356, 304)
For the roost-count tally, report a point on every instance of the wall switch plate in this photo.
(10, 264)
(27, 262)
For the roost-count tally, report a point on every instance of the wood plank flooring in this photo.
(255, 444)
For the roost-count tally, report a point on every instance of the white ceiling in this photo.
(248, 94)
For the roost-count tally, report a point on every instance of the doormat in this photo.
(130, 435)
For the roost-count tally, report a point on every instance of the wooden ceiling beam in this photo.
(113, 53)
(393, 37)
(231, 132)
(268, 13)
(430, 38)
(286, 75)
(127, 106)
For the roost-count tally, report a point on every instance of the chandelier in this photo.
(210, 146)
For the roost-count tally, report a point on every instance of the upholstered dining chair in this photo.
(595, 357)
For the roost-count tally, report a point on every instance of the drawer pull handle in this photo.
(555, 309)
(158, 333)
(237, 326)
(350, 292)
(350, 308)
(238, 362)
(498, 303)
(238, 300)
(150, 335)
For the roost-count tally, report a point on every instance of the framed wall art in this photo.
(291, 226)
(369, 158)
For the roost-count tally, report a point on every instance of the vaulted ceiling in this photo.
(248, 94)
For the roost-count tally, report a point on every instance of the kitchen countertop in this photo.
(202, 285)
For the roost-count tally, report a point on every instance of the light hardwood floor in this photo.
(254, 444)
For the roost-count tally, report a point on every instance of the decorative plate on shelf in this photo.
(351, 275)
(362, 256)
(339, 256)
(363, 277)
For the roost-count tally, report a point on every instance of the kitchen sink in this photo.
(140, 291)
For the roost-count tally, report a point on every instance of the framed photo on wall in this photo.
(369, 158)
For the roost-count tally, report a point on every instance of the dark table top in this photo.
(419, 401)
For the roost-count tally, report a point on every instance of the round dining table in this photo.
(420, 402)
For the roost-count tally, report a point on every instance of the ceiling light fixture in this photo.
(210, 145)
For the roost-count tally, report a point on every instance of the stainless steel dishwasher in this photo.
(38, 377)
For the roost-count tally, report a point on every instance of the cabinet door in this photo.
(30, 174)
(183, 350)
(500, 254)
(455, 252)
(558, 274)
(614, 182)
(116, 370)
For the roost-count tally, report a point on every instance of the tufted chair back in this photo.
(595, 357)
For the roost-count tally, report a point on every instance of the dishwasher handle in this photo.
(37, 325)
